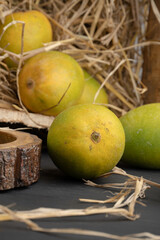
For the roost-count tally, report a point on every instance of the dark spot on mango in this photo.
(107, 130)
(90, 147)
(95, 137)
(30, 83)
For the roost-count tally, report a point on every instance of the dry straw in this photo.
(100, 35)
(74, 231)
(123, 202)
(107, 38)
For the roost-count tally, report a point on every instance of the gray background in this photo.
(54, 190)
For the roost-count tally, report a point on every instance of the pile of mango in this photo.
(85, 140)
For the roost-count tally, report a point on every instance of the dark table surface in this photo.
(54, 190)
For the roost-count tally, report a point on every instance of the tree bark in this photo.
(151, 66)
(19, 159)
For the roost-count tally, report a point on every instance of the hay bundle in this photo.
(104, 36)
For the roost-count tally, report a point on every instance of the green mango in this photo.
(142, 132)
(90, 88)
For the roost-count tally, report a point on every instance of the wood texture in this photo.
(151, 66)
(19, 159)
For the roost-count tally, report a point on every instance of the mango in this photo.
(85, 141)
(50, 82)
(37, 31)
(142, 134)
(90, 88)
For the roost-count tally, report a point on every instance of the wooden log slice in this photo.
(19, 159)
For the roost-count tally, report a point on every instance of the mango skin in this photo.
(44, 79)
(142, 134)
(37, 31)
(85, 141)
(90, 88)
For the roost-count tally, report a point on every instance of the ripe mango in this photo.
(85, 141)
(50, 82)
(37, 31)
